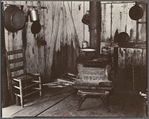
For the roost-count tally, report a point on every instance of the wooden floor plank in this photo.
(87, 107)
(121, 105)
(34, 110)
(61, 108)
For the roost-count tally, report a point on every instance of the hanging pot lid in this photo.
(36, 27)
(136, 12)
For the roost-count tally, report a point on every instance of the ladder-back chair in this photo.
(22, 84)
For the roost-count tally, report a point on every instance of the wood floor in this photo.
(62, 103)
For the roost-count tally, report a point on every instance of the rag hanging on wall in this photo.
(136, 12)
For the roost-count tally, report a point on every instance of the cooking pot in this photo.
(84, 44)
(14, 18)
(136, 12)
(86, 18)
(123, 37)
(34, 15)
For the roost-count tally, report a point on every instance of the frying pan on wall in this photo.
(36, 27)
(136, 12)
(14, 18)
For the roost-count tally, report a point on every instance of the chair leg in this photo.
(40, 87)
(105, 100)
(80, 101)
(21, 94)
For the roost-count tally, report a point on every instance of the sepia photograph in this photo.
(74, 59)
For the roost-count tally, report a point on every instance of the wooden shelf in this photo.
(132, 45)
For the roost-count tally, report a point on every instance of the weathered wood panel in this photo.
(77, 14)
(64, 32)
(106, 22)
(86, 33)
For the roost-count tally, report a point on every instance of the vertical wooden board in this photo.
(71, 28)
(123, 17)
(35, 48)
(53, 36)
(116, 20)
(17, 40)
(41, 36)
(120, 14)
(137, 62)
(30, 49)
(72, 38)
(128, 68)
(119, 21)
(60, 39)
(121, 58)
(129, 53)
(105, 22)
(48, 32)
(144, 71)
(131, 24)
(142, 27)
(86, 27)
(10, 41)
(141, 33)
(143, 6)
(77, 14)
(144, 58)
(137, 57)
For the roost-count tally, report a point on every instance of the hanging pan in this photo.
(136, 12)
(36, 27)
(14, 18)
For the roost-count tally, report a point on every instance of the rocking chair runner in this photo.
(22, 84)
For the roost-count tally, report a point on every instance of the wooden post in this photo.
(5, 96)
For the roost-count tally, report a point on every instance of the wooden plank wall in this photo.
(131, 61)
(64, 32)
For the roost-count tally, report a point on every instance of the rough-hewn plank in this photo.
(61, 109)
(41, 106)
(106, 22)
(77, 14)
(86, 108)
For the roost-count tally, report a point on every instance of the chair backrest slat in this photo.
(16, 60)
(17, 68)
(18, 76)
(16, 63)
(15, 52)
